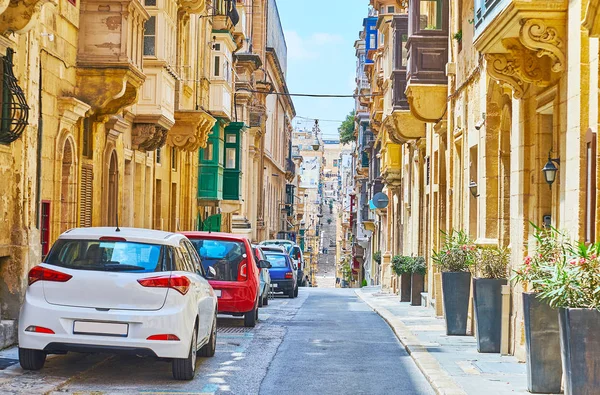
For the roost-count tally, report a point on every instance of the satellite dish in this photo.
(380, 200)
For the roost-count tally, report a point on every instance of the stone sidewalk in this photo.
(450, 363)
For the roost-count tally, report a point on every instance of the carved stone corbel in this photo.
(20, 16)
(191, 130)
(544, 40)
(148, 137)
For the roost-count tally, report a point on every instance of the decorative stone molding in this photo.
(191, 130)
(115, 126)
(148, 137)
(20, 16)
(193, 6)
(544, 40)
(71, 110)
(108, 90)
(402, 126)
(392, 177)
(427, 102)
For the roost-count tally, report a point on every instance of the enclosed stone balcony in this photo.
(109, 57)
(524, 41)
(401, 124)
(427, 44)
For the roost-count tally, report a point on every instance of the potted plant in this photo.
(455, 258)
(377, 257)
(401, 266)
(573, 287)
(491, 271)
(542, 338)
(418, 270)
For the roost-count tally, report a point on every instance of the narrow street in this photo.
(324, 342)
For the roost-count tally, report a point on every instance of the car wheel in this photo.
(291, 293)
(296, 293)
(185, 368)
(250, 318)
(31, 359)
(208, 350)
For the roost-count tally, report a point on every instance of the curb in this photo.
(440, 380)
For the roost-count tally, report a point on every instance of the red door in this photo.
(45, 227)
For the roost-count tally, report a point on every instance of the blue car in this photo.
(283, 273)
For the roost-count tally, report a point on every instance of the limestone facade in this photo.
(519, 86)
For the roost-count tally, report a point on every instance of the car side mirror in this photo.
(295, 267)
(211, 272)
(264, 264)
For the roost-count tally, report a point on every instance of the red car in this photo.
(235, 278)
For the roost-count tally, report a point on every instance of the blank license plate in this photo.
(274, 285)
(218, 293)
(100, 328)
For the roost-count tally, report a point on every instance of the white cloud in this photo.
(326, 38)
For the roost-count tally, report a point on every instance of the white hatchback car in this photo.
(134, 291)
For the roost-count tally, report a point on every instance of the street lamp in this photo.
(316, 144)
(473, 188)
(550, 170)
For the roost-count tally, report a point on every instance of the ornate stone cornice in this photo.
(71, 110)
(20, 16)
(191, 130)
(148, 137)
(427, 102)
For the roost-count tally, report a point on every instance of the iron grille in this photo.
(15, 111)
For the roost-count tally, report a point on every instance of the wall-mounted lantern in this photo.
(473, 188)
(550, 170)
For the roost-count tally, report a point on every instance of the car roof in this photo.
(277, 241)
(214, 235)
(137, 235)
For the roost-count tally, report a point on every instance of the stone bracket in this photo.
(403, 126)
(191, 130)
(148, 137)
(535, 57)
(71, 110)
(427, 103)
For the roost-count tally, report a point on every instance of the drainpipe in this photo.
(38, 188)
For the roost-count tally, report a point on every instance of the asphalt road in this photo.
(326, 341)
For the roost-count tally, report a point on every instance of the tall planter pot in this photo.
(580, 349)
(417, 285)
(487, 305)
(405, 287)
(456, 287)
(542, 346)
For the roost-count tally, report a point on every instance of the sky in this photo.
(320, 36)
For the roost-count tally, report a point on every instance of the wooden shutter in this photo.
(85, 208)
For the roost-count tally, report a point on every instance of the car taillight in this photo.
(289, 275)
(40, 273)
(163, 337)
(39, 329)
(243, 275)
(179, 283)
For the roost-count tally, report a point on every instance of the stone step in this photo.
(8, 333)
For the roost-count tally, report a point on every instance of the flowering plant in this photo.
(458, 253)
(492, 262)
(552, 248)
(563, 273)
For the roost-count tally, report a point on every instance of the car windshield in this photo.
(224, 256)
(277, 260)
(114, 256)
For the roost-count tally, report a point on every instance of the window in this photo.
(391, 9)
(174, 159)
(207, 153)
(85, 207)
(194, 256)
(226, 70)
(150, 37)
(150, 3)
(430, 15)
(277, 260)
(45, 228)
(225, 257)
(217, 66)
(230, 162)
(231, 138)
(590, 187)
(113, 256)
(217, 47)
(158, 155)
(186, 264)
(86, 146)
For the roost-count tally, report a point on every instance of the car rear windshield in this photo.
(107, 256)
(224, 256)
(277, 260)
(284, 244)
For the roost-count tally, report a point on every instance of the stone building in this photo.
(109, 109)
(472, 101)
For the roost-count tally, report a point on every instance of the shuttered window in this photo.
(87, 178)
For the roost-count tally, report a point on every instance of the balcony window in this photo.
(150, 3)
(217, 67)
(430, 17)
(150, 37)
(207, 153)
(404, 50)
